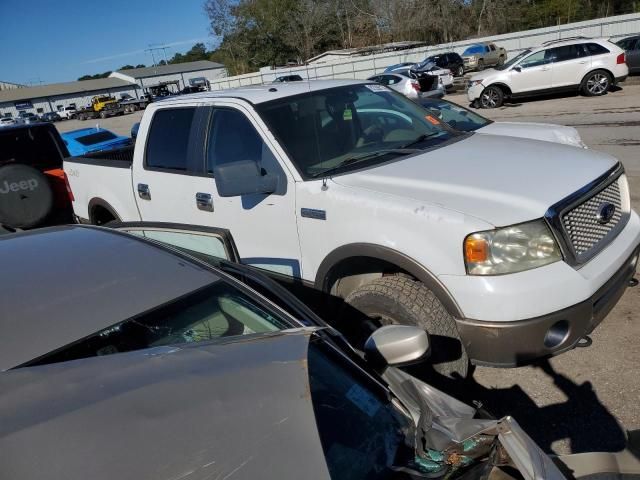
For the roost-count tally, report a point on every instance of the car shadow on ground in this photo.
(581, 419)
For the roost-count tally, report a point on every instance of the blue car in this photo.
(87, 140)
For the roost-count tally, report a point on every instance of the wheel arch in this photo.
(365, 259)
(602, 69)
(97, 207)
(503, 86)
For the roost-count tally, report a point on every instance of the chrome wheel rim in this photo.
(598, 84)
(490, 98)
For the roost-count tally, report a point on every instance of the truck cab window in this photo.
(233, 138)
(168, 140)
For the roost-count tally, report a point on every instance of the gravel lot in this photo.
(585, 399)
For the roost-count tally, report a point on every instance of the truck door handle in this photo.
(204, 201)
(143, 191)
(545, 69)
(582, 61)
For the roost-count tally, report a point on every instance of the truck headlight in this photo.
(473, 83)
(510, 249)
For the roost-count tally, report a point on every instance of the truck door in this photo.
(263, 225)
(173, 181)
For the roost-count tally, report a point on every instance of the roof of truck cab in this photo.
(64, 283)
(263, 93)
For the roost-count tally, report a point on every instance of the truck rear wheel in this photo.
(26, 197)
(103, 114)
(402, 300)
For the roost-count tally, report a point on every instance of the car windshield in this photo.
(456, 116)
(210, 313)
(473, 50)
(341, 129)
(513, 61)
(97, 137)
(362, 433)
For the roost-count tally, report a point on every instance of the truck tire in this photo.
(402, 300)
(501, 60)
(480, 66)
(596, 83)
(103, 114)
(133, 108)
(26, 197)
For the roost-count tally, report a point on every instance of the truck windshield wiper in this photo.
(366, 156)
(420, 139)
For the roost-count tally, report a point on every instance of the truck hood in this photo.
(501, 180)
(537, 131)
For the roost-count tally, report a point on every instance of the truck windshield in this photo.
(346, 128)
(473, 50)
(362, 433)
(456, 116)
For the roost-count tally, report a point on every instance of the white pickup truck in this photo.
(504, 249)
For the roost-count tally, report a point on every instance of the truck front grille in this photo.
(593, 223)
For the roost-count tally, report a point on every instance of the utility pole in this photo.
(156, 48)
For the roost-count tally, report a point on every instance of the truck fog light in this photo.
(557, 334)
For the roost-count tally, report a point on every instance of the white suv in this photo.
(591, 66)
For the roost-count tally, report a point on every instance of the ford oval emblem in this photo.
(605, 213)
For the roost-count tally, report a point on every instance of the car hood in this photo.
(240, 409)
(537, 131)
(501, 180)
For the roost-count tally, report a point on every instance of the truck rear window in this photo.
(98, 137)
(36, 147)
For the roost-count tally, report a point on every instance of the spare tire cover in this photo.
(26, 197)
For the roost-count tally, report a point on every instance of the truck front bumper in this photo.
(509, 344)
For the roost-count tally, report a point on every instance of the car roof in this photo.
(65, 283)
(572, 41)
(263, 93)
(240, 409)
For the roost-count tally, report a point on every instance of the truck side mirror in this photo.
(397, 345)
(243, 178)
(517, 68)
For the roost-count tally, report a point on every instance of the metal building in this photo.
(54, 97)
(175, 76)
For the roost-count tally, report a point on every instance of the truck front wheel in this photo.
(402, 300)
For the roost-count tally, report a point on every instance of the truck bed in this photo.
(99, 175)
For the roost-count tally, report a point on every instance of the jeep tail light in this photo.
(416, 86)
(68, 186)
(620, 59)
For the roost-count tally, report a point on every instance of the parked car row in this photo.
(589, 66)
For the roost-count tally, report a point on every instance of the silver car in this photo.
(411, 85)
(124, 358)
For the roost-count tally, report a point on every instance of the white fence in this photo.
(361, 67)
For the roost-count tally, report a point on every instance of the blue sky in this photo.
(61, 40)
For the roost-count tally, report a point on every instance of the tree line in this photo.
(257, 33)
(197, 52)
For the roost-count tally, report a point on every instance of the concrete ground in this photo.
(585, 399)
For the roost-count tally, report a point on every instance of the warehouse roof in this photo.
(169, 69)
(66, 88)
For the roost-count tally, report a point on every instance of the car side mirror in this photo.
(517, 68)
(243, 178)
(397, 345)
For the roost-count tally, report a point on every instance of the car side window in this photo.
(535, 60)
(393, 80)
(564, 53)
(492, 47)
(383, 79)
(232, 138)
(168, 141)
(634, 44)
(596, 49)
